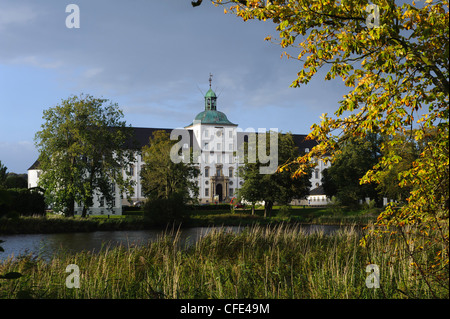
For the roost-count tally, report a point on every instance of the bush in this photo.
(284, 211)
(24, 202)
(335, 206)
(160, 212)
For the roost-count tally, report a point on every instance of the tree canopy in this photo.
(278, 187)
(161, 177)
(82, 153)
(357, 156)
(394, 58)
(167, 185)
(3, 174)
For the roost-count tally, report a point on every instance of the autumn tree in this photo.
(82, 153)
(394, 58)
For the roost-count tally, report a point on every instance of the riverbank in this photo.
(198, 218)
(280, 262)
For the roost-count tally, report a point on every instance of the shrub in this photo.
(162, 211)
(24, 202)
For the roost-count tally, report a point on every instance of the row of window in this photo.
(230, 192)
(219, 133)
(218, 146)
(210, 158)
(218, 172)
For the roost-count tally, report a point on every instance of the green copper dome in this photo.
(210, 115)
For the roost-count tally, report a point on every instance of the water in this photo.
(45, 245)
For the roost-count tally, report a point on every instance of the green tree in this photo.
(406, 151)
(14, 180)
(394, 57)
(168, 186)
(355, 158)
(3, 174)
(82, 153)
(279, 187)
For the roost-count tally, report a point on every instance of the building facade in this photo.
(215, 142)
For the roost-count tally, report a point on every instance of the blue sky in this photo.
(153, 58)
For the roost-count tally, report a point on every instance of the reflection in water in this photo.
(45, 245)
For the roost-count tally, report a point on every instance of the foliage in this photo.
(3, 174)
(355, 158)
(279, 187)
(14, 180)
(162, 211)
(397, 73)
(168, 186)
(161, 177)
(23, 201)
(81, 153)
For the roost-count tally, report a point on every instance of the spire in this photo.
(210, 97)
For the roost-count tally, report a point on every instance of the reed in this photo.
(281, 261)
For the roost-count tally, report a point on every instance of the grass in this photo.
(279, 261)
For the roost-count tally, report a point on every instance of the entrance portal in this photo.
(219, 192)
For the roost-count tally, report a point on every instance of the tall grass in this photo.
(280, 261)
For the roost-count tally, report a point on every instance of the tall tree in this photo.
(355, 158)
(161, 177)
(168, 185)
(394, 57)
(3, 174)
(82, 153)
(278, 187)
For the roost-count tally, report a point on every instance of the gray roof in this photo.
(142, 135)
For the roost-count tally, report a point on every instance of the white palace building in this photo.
(218, 141)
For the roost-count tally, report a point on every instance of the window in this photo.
(206, 191)
(206, 146)
(218, 171)
(219, 145)
(206, 158)
(230, 134)
(206, 133)
(316, 173)
(131, 171)
(230, 172)
(230, 146)
(230, 191)
(219, 157)
(101, 202)
(206, 171)
(230, 158)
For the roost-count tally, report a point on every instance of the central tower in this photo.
(215, 136)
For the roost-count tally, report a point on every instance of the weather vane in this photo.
(210, 80)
